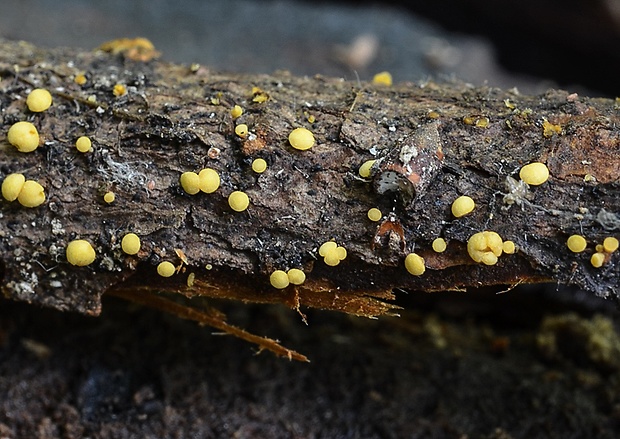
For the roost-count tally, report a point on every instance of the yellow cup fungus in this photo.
(509, 247)
(190, 182)
(279, 279)
(610, 244)
(166, 269)
(80, 253)
(190, 279)
(327, 246)
(32, 194)
(597, 259)
(23, 136)
(414, 264)
(236, 111)
(209, 180)
(301, 139)
(259, 165)
(296, 276)
(80, 79)
(534, 174)
(485, 247)
(131, 243)
(374, 214)
(241, 130)
(83, 144)
(109, 197)
(12, 186)
(39, 100)
(439, 245)
(119, 90)
(332, 253)
(364, 170)
(382, 78)
(576, 243)
(462, 206)
(238, 201)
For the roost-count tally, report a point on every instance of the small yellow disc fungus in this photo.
(462, 206)
(374, 214)
(23, 136)
(131, 243)
(209, 180)
(383, 78)
(341, 252)
(12, 186)
(241, 130)
(439, 245)
(190, 182)
(279, 279)
(119, 90)
(364, 170)
(31, 195)
(39, 100)
(509, 247)
(576, 243)
(301, 138)
(80, 253)
(236, 111)
(238, 201)
(485, 247)
(332, 257)
(109, 197)
(166, 269)
(534, 174)
(327, 246)
(597, 260)
(414, 264)
(83, 144)
(296, 276)
(80, 79)
(610, 244)
(259, 165)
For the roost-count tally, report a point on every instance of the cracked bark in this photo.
(175, 119)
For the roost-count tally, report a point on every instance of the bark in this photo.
(434, 142)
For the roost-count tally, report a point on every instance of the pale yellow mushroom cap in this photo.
(23, 136)
(39, 100)
(364, 170)
(238, 201)
(236, 111)
(509, 247)
(109, 197)
(485, 247)
(576, 243)
(374, 214)
(279, 279)
(259, 165)
(12, 186)
(296, 276)
(31, 195)
(414, 264)
(462, 206)
(190, 182)
(301, 138)
(166, 269)
(327, 246)
(534, 174)
(131, 243)
(597, 260)
(83, 144)
(439, 245)
(209, 180)
(382, 78)
(80, 253)
(610, 244)
(241, 130)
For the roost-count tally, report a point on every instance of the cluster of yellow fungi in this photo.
(280, 279)
(207, 181)
(332, 253)
(578, 244)
(486, 247)
(28, 193)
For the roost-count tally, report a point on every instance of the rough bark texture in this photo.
(434, 142)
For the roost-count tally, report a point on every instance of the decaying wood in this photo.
(454, 139)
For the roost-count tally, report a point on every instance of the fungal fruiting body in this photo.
(259, 165)
(414, 264)
(374, 214)
(332, 253)
(301, 139)
(119, 90)
(109, 197)
(611, 244)
(462, 206)
(296, 276)
(364, 170)
(509, 247)
(80, 253)
(39, 100)
(131, 243)
(80, 79)
(83, 144)
(576, 243)
(236, 111)
(12, 186)
(23, 136)
(534, 174)
(32, 194)
(209, 180)
(485, 247)
(241, 130)
(597, 259)
(279, 279)
(166, 269)
(190, 182)
(383, 78)
(238, 201)
(439, 245)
